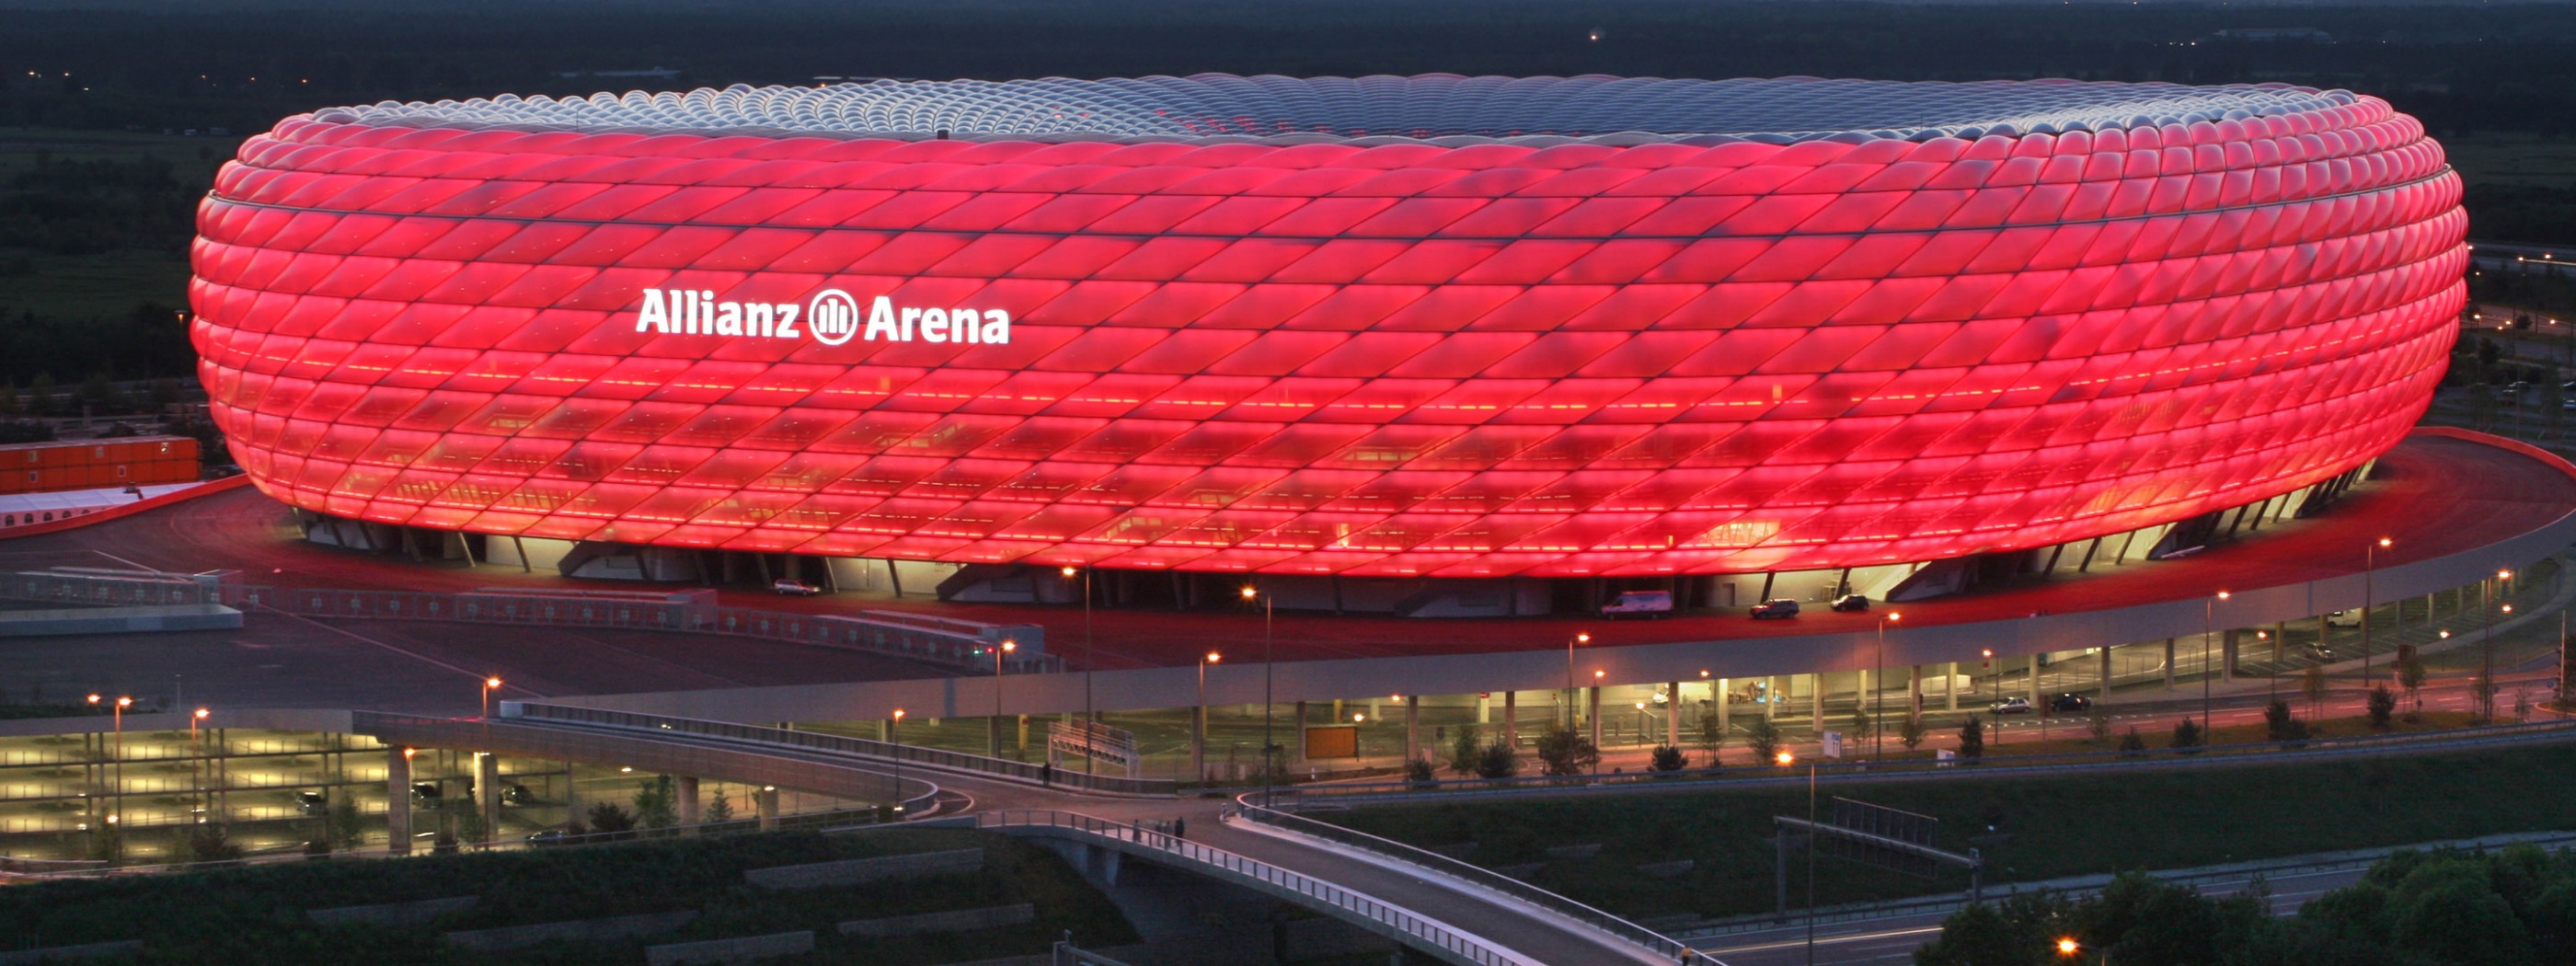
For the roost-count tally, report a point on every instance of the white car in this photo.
(794, 588)
(1657, 604)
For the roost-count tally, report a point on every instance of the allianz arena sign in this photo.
(832, 315)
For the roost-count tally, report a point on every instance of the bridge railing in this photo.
(1394, 922)
(941, 758)
(1670, 949)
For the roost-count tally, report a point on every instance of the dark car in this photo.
(312, 802)
(517, 794)
(1851, 602)
(552, 836)
(427, 793)
(1777, 608)
(2070, 701)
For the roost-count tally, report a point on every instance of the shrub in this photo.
(1564, 751)
(1420, 770)
(1465, 751)
(2187, 737)
(1669, 758)
(2133, 744)
(1497, 760)
(1763, 737)
(2382, 704)
(1972, 738)
(1910, 732)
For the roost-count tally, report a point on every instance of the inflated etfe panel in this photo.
(1398, 326)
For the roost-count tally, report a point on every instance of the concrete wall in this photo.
(817, 875)
(954, 920)
(738, 950)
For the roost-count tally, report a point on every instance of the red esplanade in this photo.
(1163, 329)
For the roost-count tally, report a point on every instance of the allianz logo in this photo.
(831, 315)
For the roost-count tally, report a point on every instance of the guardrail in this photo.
(1666, 947)
(2284, 752)
(1393, 922)
(939, 758)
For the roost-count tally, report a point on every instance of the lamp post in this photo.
(1088, 718)
(196, 760)
(993, 735)
(1786, 759)
(1878, 690)
(117, 773)
(1198, 721)
(1596, 721)
(1988, 654)
(2208, 621)
(2369, 562)
(894, 732)
(490, 684)
(1269, 747)
(1580, 638)
(2486, 652)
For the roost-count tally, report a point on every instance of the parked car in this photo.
(2010, 706)
(2344, 618)
(2070, 701)
(1653, 604)
(517, 794)
(794, 588)
(552, 836)
(1777, 607)
(312, 802)
(1851, 602)
(427, 793)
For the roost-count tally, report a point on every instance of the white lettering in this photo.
(728, 318)
(760, 319)
(881, 320)
(934, 324)
(910, 316)
(787, 322)
(997, 327)
(654, 313)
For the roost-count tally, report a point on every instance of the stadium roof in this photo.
(1438, 108)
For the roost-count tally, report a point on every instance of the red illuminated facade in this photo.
(1439, 356)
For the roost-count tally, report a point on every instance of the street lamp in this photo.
(993, 745)
(1198, 721)
(117, 774)
(1989, 654)
(196, 760)
(2369, 562)
(1089, 717)
(894, 732)
(1878, 693)
(1580, 638)
(490, 685)
(1269, 747)
(2208, 620)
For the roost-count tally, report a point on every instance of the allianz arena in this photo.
(1422, 326)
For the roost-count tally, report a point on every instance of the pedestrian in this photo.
(1180, 828)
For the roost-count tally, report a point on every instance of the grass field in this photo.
(2028, 829)
(111, 284)
(2516, 159)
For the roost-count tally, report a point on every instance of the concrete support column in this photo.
(685, 789)
(2227, 653)
(1950, 688)
(1673, 714)
(1511, 719)
(1592, 706)
(2034, 681)
(1485, 709)
(766, 800)
(487, 791)
(1725, 707)
(2169, 664)
(1914, 691)
(2106, 671)
(1412, 727)
(2280, 639)
(1816, 703)
(398, 800)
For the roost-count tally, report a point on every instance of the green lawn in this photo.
(256, 914)
(2040, 828)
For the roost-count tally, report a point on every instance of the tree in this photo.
(1420, 770)
(2313, 683)
(106, 844)
(1668, 758)
(1497, 760)
(719, 808)
(2099, 724)
(207, 843)
(2410, 675)
(1763, 737)
(2187, 737)
(654, 803)
(1862, 725)
(1565, 751)
(2382, 704)
(2281, 725)
(2132, 743)
(1712, 733)
(1972, 738)
(1465, 751)
(611, 821)
(345, 829)
(469, 823)
(1910, 732)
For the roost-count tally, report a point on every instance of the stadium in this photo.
(1418, 327)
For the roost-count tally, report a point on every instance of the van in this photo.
(1655, 604)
